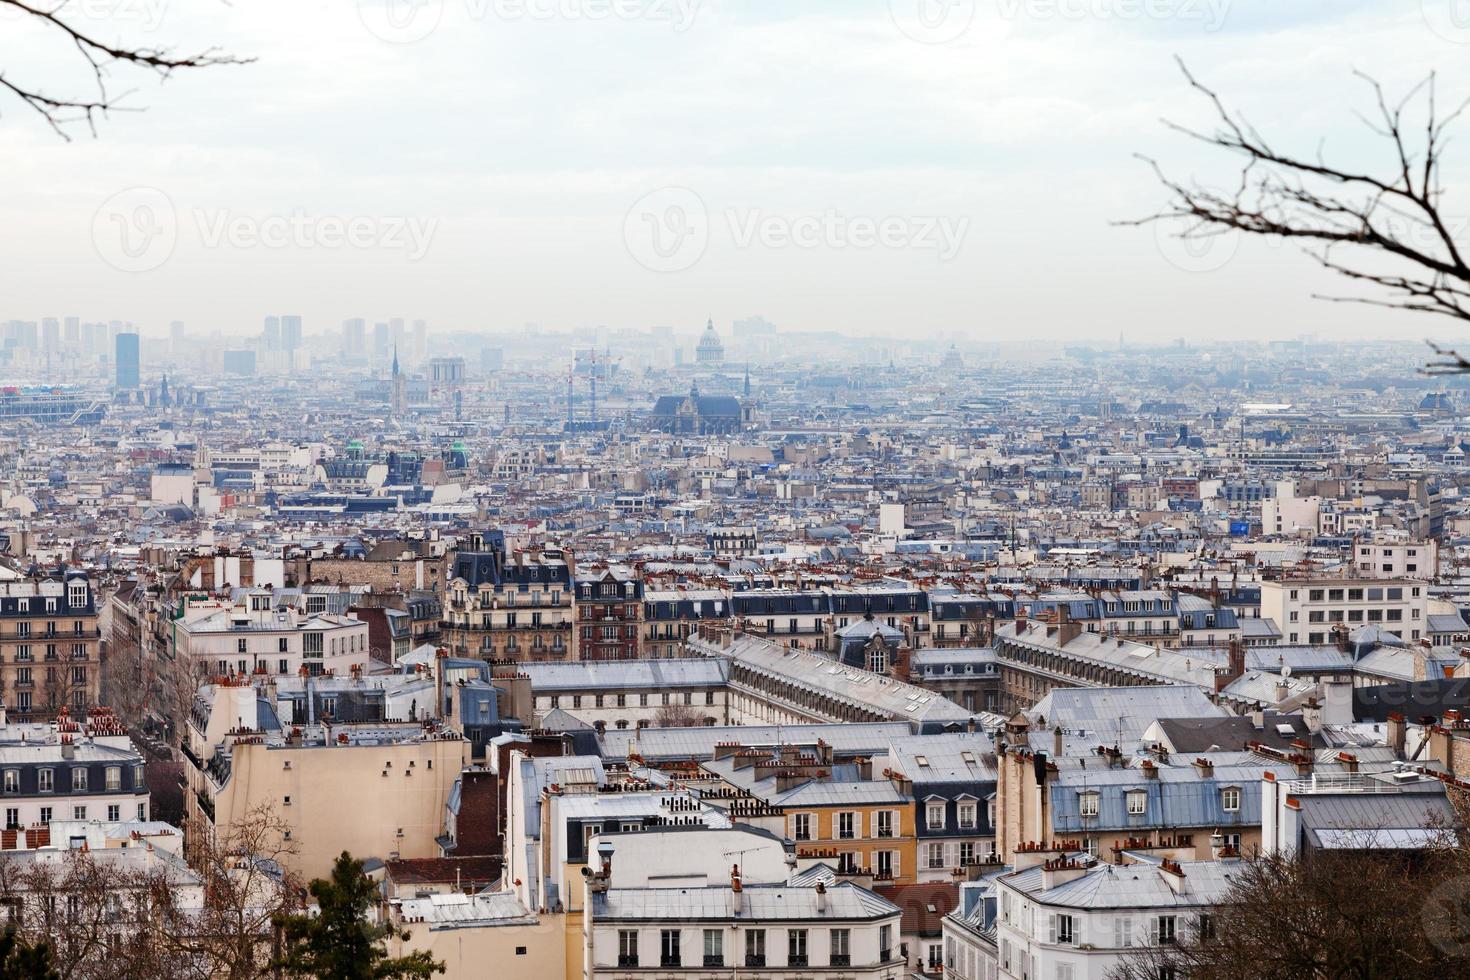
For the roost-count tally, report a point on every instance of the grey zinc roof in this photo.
(454, 910)
(758, 903)
(1130, 886)
(891, 698)
(548, 677)
(664, 744)
(1103, 711)
(958, 757)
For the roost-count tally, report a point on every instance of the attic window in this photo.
(922, 760)
(1285, 730)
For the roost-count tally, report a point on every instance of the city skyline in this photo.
(884, 185)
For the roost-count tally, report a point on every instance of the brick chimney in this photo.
(1235, 668)
(1397, 733)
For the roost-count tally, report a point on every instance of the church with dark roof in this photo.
(696, 414)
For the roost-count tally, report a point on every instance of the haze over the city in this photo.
(869, 167)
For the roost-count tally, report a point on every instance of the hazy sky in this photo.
(908, 167)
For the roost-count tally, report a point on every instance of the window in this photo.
(1230, 799)
(885, 943)
(796, 947)
(240, 645)
(79, 779)
(12, 780)
(844, 826)
(801, 825)
(755, 947)
(714, 947)
(967, 813)
(627, 947)
(967, 852)
(79, 813)
(934, 816)
(1137, 801)
(1164, 930)
(884, 824)
(1123, 931)
(1089, 804)
(45, 814)
(841, 947)
(886, 864)
(12, 818)
(1205, 927)
(114, 812)
(114, 778)
(1063, 930)
(935, 855)
(669, 948)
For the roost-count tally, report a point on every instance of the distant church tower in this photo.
(397, 392)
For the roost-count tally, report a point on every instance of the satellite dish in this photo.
(1285, 670)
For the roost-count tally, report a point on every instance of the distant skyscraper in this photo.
(272, 333)
(176, 337)
(381, 340)
(290, 332)
(420, 339)
(50, 334)
(127, 361)
(71, 331)
(354, 337)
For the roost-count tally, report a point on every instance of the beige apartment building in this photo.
(375, 789)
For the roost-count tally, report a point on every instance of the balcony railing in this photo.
(841, 959)
(714, 960)
(627, 959)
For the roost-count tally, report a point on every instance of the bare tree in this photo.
(247, 887)
(98, 59)
(677, 716)
(1356, 913)
(94, 910)
(1386, 230)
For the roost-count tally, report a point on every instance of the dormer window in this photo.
(1137, 801)
(1088, 804)
(1230, 799)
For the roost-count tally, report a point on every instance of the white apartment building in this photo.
(1307, 610)
(690, 907)
(1289, 514)
(1072, 918)
(1396, 559)
(218, 636)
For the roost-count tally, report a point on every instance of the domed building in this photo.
(710, 349)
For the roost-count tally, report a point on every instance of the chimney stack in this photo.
(1397, 734)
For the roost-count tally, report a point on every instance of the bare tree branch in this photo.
(61, 111)
(1342, 217)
